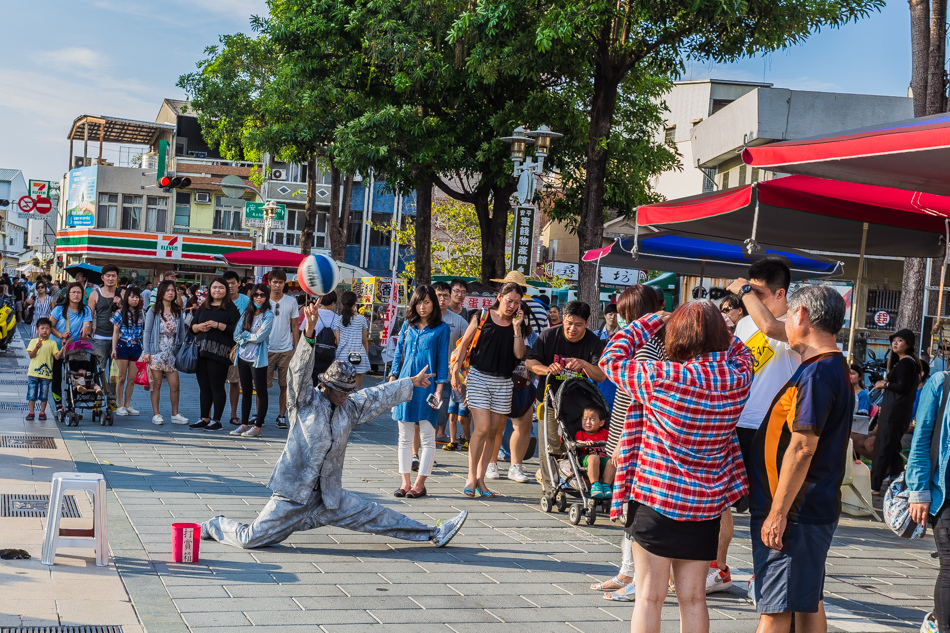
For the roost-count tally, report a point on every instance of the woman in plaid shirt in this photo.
(681, 461)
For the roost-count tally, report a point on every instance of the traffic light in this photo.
(170, 181)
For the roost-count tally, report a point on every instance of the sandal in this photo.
(602, 586)
(400, 493)
(469, 492)
(488, 494)
(42, 416)
(413, 494)
(625, 594)
(30, 416)
(235, 421)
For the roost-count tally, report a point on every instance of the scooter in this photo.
(7, 323)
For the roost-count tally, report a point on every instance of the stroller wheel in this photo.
(561, 500)
(95, 416)
(547, 504)
(576, 513)
(109, 417)
(73, 419)
(591, 516)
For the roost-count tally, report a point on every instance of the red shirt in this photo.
(597, 436)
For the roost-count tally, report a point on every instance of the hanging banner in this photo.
(522, 241)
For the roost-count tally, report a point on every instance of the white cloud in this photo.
(71, 58)
(240, 11)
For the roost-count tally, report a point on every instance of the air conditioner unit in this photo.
(202, 197)
(278, 174)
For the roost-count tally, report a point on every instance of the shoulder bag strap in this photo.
(938, 425)
(485, 315)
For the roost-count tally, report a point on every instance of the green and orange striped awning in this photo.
(105, 242)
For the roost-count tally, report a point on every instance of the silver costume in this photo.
(307, 480)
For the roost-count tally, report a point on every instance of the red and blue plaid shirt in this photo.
(679, 453)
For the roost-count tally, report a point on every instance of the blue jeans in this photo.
(37, 389)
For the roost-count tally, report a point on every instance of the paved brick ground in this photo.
(511, 568)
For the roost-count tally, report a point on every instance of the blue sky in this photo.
(65, 58)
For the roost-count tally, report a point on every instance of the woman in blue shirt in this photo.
(251, 337)
(423, 342)
(69, 325)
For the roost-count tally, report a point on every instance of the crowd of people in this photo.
(744, 406)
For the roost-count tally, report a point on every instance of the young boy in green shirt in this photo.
(42, 351)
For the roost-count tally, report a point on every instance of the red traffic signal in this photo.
(170, 181)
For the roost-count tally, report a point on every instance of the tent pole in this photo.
(943, 276)
(856, 292)
(923, 313)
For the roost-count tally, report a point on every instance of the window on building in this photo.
(725, 180)
(670, 137)
(182, 212)
(320, 236)
(377, 237)
(108, 212)
(156, 212)
(742, 174)
(354, 231)
(131, 213)
(709, 180)
(227, 214)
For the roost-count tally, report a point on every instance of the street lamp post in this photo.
(270, 212)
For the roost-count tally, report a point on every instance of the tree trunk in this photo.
(423, 255)
(920, 53)
(590, 229)
(501, 209)
(310, 210)
(335, 235)
(936, 79)
(345, 205)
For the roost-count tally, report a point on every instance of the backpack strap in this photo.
(938, 426)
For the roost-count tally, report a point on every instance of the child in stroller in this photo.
(591, 441)
(85, 380)
(563, 479)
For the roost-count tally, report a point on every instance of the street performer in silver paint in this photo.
(307, 480)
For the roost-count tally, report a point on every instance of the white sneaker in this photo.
(446, 530)
(718, 579)
(751, 593)
(516, 473)
(158, 420)
(930, 624)
(492, 471)
(179, 419)
(121, 411)
(131, 411)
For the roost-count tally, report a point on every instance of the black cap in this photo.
(905, 334)
(610, 309)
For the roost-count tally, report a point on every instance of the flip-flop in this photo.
(599, 586)
(488, 494)
(469, 492)
(625, 594)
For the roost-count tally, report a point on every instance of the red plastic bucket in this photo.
(185, 540)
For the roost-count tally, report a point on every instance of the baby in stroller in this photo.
(600, 470)
(85, 381)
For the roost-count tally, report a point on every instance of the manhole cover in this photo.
(31, 506)
(61, 629)
(26, 441)
(14, 406)
(550, 535)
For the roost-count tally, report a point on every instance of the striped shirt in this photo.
(351, 340)
(41, 308)
(688, 466)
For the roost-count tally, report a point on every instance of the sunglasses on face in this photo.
(259, 294)
(728, 308)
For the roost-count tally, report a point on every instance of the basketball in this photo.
(318, 275)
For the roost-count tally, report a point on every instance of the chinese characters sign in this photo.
(522, 241)
(609, 276)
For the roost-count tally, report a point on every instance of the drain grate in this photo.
(22, 506)
(26, 441)
(61, 629)
(14, 406)
(13, 381)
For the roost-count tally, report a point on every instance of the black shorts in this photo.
(746, 439)
(666, 537)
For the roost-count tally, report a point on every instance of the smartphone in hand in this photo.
(433, 401)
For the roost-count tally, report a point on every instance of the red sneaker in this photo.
(718, 579)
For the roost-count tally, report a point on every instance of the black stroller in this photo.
(85, 386)
(562, 478)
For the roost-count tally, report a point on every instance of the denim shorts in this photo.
(37, 389)
(457, 406)
(791, 580)
(124, 351)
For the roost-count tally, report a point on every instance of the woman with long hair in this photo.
(214, 323)
(251, 338)
(897, 407)
(69, 325)
(691, 405)
(163, 335)
(127, 325)
(423, 342)
(494, 356)
(351, 330)
(626, 423)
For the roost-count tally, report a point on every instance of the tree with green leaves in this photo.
(598, 46)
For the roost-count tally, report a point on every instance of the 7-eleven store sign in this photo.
(169, 246)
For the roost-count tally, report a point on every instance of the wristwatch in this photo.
(743, 291)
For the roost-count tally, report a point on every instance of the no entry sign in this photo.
(43, 205)
(26, 204)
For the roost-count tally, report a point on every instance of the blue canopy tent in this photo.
(689, 255)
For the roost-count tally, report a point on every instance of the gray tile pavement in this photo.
(511, 568)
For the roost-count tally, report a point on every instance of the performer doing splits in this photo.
(307, 481)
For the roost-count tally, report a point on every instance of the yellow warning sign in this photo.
(761, 350)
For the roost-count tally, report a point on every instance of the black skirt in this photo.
(668, 538)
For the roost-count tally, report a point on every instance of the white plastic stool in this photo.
(97, 537)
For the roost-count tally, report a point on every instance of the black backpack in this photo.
(324, 346)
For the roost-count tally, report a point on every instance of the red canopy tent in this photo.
(912, 155)
(264, 257)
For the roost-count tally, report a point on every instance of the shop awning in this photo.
(810, 213)
(264, 257)
(704, 258)
(913, 155)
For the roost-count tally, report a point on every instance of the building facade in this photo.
(13, 224)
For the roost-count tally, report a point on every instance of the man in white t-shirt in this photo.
(457, 326)
(764, 297)
(282, 340)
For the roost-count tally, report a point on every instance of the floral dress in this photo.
(164, 360)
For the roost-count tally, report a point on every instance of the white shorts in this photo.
(488, 392)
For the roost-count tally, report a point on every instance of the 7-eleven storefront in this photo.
(145, 256)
